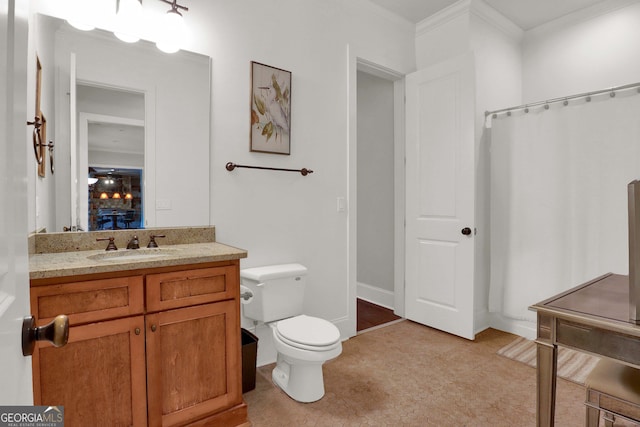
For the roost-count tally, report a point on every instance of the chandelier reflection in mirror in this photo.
(115, 198)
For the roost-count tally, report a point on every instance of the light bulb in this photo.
(81, 15)
(128, 20)
(171, 32)
(78, 25)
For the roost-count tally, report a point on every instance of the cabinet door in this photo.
(99, 376)
(193, 362)
(177, 289)
(89, 301)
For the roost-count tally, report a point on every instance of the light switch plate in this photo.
(163, 204)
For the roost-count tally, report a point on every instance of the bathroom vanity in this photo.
(154, 334)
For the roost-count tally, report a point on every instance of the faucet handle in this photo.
(133, 243)
(152, 240)
(111, 246)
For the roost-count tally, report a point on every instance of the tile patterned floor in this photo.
(406, 374)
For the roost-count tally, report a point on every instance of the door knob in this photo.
(466, 231)
(56, 332)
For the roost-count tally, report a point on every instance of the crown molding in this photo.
(476, 8)
(580, 16)
(496, 19)
(442, 17)
(381, 11)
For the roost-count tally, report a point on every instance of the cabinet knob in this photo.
(153, 328)
(137, 331)
(56, 332)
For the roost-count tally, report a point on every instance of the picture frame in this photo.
(270, 110)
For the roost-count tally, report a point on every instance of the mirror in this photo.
(126, 113)
(111, 138)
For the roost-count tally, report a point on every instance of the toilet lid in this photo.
(308, 330)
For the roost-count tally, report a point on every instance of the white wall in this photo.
(444, 35)
(282, 217)
(277, 216)
(375, 198)
(594, 49)
(41, 190)
(496, 43)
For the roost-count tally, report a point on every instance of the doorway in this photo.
(379, 196)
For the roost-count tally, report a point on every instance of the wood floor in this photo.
(370, 315)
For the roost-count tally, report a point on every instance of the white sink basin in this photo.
(133, 254)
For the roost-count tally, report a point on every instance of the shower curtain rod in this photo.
(565, 99)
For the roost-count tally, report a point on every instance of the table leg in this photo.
(547, 358)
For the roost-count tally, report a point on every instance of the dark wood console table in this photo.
(593, 318)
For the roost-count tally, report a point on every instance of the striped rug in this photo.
(572, 365)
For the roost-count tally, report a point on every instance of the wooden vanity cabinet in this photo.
(158, 348)
(193, 345)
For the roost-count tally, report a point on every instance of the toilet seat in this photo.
(308, 333)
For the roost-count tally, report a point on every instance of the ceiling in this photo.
(116, 138)
(526, 14)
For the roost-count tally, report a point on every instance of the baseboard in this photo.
(518, 327)
(481, 321)
(375, 295)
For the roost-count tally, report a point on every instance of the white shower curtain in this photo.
(559, 198)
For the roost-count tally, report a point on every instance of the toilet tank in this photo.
(278, 291)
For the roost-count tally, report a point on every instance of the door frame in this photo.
(82, 162)
(358, 63)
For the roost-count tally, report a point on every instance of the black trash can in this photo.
(249, 356)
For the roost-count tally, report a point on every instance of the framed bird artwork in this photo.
(270, 109)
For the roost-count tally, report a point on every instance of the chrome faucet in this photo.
(133, 243)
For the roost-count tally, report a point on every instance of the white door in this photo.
(15, 370)
(440, 188)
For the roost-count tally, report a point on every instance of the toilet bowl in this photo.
(303, 344)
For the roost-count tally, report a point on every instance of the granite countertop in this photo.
(73, 254)
(42, 266)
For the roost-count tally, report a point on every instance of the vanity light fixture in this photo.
(128, 20)
(104, 196)
(80, 15)
(116, 195)
(171, 32)
(128, 196)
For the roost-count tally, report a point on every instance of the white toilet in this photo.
(303, 342)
